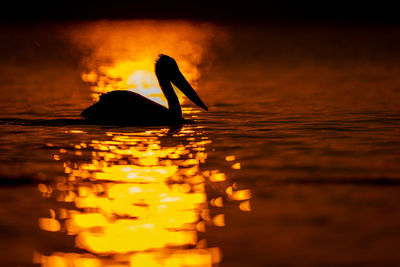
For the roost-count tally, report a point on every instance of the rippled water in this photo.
(296, 163)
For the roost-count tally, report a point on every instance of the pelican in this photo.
(128, 108)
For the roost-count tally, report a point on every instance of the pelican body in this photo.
(129, 108)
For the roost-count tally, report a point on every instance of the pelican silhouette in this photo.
(128, 108)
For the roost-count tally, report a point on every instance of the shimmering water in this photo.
(296, 163)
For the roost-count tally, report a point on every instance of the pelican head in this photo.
(167, 71)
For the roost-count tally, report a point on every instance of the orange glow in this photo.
(245, 206)
(218, 177)
(217, 202)
(133, 207)
(42, 188)
(241, 195)
(49, 224)
(134, 198)
(124, 59)
(230, 158)
(191, 257)
(219, 220)
(236, 166)
(138, 202)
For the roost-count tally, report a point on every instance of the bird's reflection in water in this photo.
(138, 199)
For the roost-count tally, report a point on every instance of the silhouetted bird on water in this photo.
(128, 108)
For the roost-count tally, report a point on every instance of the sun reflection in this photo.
(138, 201)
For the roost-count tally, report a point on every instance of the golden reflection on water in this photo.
(138, 199)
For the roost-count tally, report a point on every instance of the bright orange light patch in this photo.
(49, 224)
(123, 53)
(139, 201)
(134, 199)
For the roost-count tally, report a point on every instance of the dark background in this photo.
(249, 10)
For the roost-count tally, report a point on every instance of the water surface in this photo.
(296, 163)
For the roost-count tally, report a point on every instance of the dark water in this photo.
(296, 163)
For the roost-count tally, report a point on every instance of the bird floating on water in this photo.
(129, 108)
